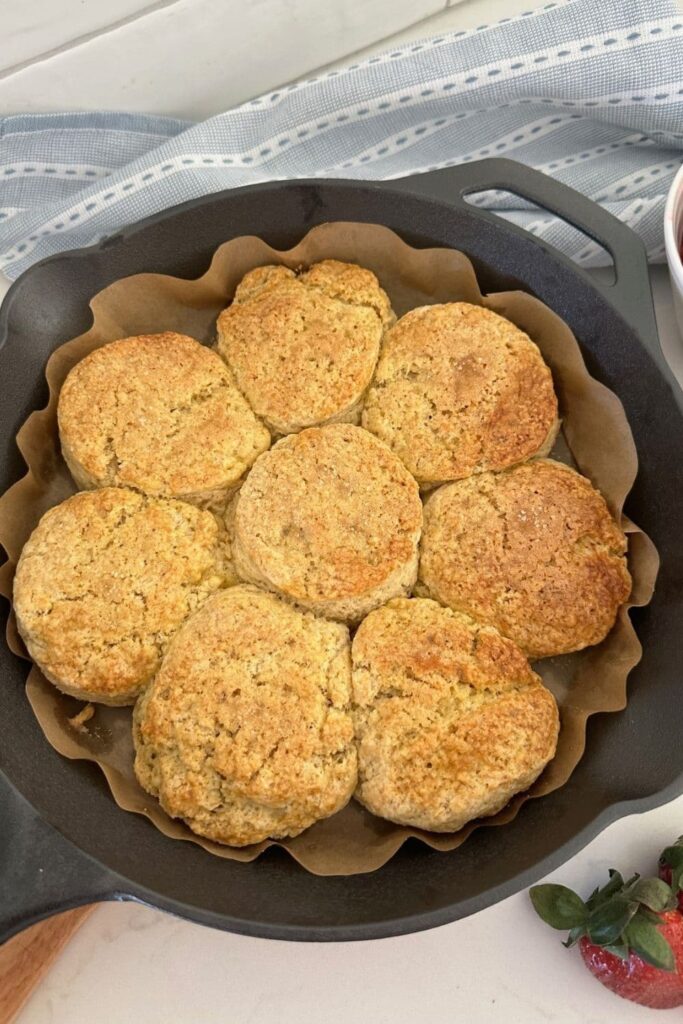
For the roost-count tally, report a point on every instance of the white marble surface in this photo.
(131, 964)
(191, 58)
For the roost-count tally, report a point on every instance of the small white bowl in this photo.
(673, 240)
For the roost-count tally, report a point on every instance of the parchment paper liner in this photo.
(597, 439)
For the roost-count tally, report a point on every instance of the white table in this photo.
(131, 964)
(502, 966)
(192, 58)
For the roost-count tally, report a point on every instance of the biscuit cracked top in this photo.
(329, 518)
(460, 390)
(450, 719)
(103, 583)
(534, 551)
(246, 730)
(303, 347)
(159, 413)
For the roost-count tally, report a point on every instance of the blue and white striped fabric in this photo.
(589, 91)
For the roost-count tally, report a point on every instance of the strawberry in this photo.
(635, 978)
(630, 935)
(671, 869)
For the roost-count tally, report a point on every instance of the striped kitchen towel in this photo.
(589, 91)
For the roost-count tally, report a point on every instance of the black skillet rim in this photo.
(113, 885)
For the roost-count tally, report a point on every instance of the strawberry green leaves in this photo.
(622, 917)
(559, 906)
(616, 882)
(644, 939)
(652, 893)
(672, 857)
(607, 921)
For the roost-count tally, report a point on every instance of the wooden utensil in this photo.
(27, 957)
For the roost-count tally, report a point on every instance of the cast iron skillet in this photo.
(63, 840)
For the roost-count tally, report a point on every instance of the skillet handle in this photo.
(629, 293)
(41, 873)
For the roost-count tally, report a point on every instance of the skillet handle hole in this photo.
(547, 226)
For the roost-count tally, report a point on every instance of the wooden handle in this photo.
(26, 958)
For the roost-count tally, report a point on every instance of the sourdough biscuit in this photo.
(460, 390)
(159, 413)
(104, 582)
(450, 720)
(329, 518)
(533, 551)
(245, 732)
(303, 346)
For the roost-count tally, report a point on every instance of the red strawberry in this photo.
(630, 935)
(671, 869)
(635, 979)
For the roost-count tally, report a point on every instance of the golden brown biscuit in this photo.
(533, 551)
(303, 346)
(104, 582)
(460, 390)
(450, 720)
(159, 413)
(329, 518)
(245, 732)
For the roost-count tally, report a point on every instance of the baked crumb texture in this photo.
(460, 390)
(159, 413)
(256, 715)
(303, 346)
(533, 551)
(246, 731)
(330, 519)
(450, 720)
(105, 581)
